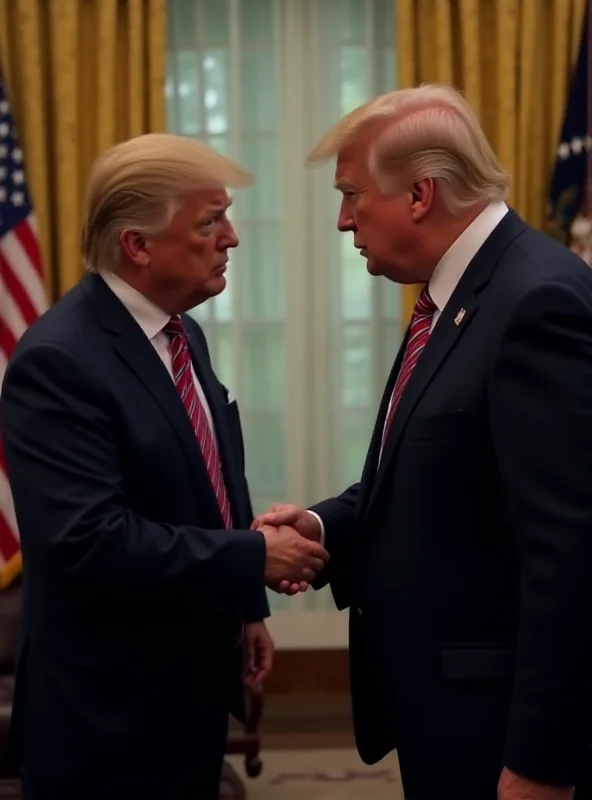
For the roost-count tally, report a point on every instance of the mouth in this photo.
(221, 268)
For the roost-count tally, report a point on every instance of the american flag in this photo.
(22, 296)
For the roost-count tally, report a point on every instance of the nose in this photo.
(345, 221)
(232, 238)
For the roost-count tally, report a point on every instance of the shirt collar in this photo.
(149, 317)
(451, 267)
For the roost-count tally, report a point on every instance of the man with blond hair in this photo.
(465, 551)
(144, 587)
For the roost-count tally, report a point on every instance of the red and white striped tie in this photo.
(181, 360)
(421, 324)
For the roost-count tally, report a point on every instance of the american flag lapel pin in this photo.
(459, 317)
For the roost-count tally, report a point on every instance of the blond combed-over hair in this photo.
(138, 184)
(428, 131)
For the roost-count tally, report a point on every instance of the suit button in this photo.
(359, 612)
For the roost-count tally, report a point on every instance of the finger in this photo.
(317, 551)
(308, 575)
(304, 586)
(249, 658)
(316, 564)
(283, 587)
(277, 518)
(294, 588)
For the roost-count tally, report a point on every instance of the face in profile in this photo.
(191, 255)
(185, 264)
(382, 225)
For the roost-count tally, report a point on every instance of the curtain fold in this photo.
(82, 75)
(513, 61)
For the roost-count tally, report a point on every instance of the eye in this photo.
(207, 226)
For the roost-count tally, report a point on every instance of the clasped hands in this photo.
(294, 555)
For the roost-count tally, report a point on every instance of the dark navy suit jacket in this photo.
(466, 556)
(134, 594)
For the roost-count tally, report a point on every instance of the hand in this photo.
(515, 787)
(259, 649)
(290, 557)
(302, 521)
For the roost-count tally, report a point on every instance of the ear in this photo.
(422, 198)
(135, 247)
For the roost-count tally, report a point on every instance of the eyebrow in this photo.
(215, 209)
(344, 186)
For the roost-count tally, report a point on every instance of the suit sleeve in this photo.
(65, 469)
(337, 515)
(258, 606)
(541, 417)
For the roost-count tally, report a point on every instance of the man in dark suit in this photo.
(465, 551)
(142, 579)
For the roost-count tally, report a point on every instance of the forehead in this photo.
(202, 200)
(352, 164)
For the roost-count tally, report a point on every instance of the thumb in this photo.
(285, 516)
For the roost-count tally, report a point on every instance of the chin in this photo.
(217, 285)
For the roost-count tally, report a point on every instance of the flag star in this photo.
(564, 150)
(4, 129)
(18, 177)
(4, 108)
(577, 145)
(17, 198)
(3, 151)
(17, 155)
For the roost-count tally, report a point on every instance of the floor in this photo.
(308, 753)
(327, 774)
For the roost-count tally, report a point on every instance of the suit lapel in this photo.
(132, 346)
(211, 390)
(453, 323)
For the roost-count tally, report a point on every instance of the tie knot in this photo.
(425, 304)
(174, 327)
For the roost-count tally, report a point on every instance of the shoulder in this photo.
(539, 271)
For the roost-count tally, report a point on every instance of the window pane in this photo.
(390, 300)
(258, 91)
(261, 270)
(357, 366)
(353, 21)
(354, 76)
(261, 200)
(264, 366)
(355, 432)
(256, 22)
(215, 69)
(356, 283)
(216, 22)
(187, 100)
(264, 433)
(391, 341)
(220, 143)
(223, 353)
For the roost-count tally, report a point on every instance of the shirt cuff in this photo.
(320, 521)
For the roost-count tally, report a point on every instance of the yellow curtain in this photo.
(82, 75)
(512, 59)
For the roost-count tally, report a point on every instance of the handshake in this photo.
(294, 554)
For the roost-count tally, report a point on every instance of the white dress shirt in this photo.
(451, 267)
(152, 320)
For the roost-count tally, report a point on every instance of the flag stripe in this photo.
(14, 288)
(22, 298)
